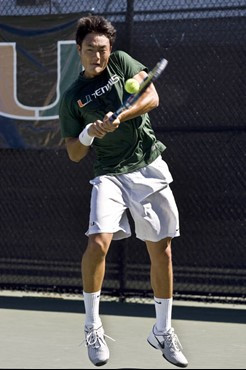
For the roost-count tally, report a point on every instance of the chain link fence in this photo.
(201, 119)
(117, 9)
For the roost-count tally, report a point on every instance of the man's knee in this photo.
(168, 248)
(98, 245)
(160, 251)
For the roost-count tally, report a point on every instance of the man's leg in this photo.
(162, 336)
(93, 271)
(93, 262)
(161, 277)
(161, 273)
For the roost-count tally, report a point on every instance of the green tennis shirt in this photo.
(133, 145)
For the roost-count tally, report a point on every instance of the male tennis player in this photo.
(129, 174)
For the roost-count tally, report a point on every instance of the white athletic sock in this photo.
(91, 302)
(163, 309)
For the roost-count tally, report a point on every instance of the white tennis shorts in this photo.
(147, 195)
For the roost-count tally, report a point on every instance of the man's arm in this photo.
(75, 150)
(148, 101)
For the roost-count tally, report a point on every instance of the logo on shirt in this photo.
(102, 90)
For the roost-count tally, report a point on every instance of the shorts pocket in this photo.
(151, 217)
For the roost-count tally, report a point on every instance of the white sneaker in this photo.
(170, 347)
(98, 351)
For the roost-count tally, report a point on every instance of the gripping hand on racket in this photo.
(100, 128)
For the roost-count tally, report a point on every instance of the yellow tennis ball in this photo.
(132, 86)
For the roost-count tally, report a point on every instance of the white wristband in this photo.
(84, 137)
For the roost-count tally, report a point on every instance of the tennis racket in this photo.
(152, 76)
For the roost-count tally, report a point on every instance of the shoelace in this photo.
(173, 342)
(93, 337)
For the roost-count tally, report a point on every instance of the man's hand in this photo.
(109, 126)
(100, 128)
(97, 130)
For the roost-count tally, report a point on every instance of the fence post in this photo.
(129, 24)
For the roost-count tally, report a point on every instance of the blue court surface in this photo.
(38, 332)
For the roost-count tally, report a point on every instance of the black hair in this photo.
(97, 24)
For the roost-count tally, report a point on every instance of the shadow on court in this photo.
(212, 314)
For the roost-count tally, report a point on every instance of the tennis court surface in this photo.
(47, 333)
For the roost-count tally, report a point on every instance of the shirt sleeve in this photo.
(70, 124)
(129, 65)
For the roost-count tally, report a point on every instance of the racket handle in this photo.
(128, 103)
(114, 116)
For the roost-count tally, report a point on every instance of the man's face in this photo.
(94, 54)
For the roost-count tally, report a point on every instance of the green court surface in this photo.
(47, 333)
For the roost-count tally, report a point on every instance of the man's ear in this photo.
(78, 49)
